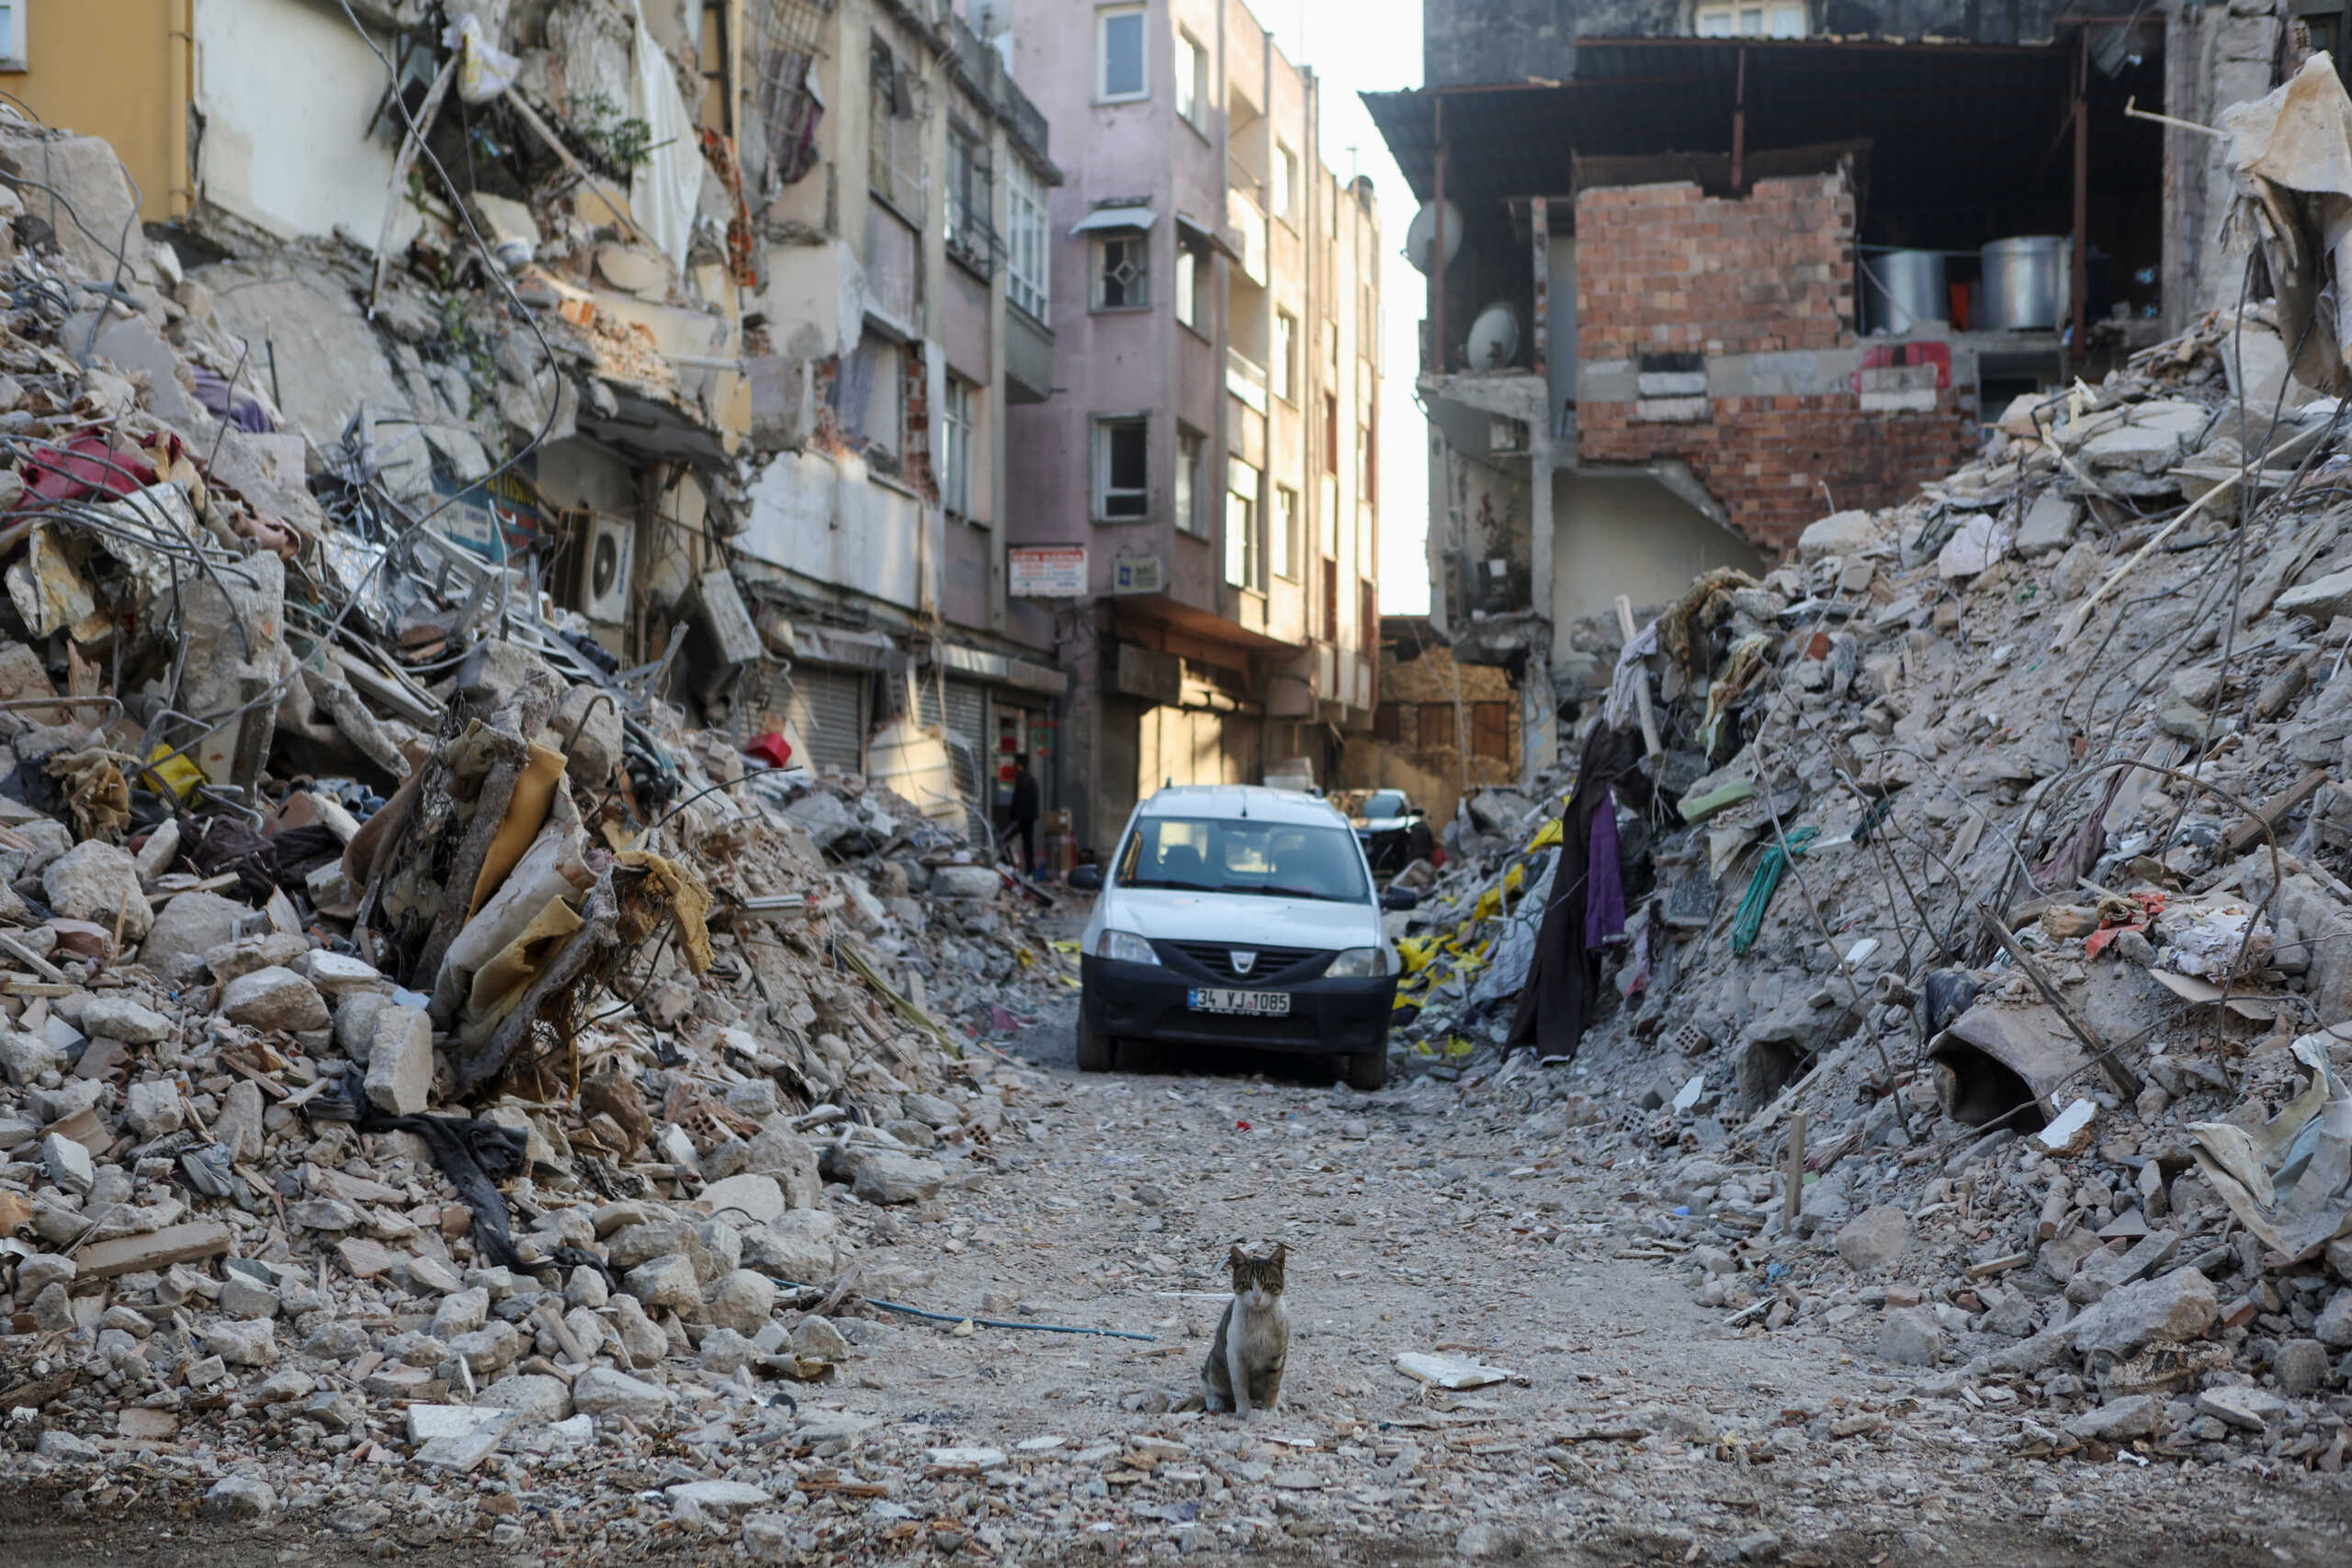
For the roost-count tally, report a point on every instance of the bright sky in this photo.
(1355, 46)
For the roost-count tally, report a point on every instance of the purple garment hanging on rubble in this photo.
(1605, 882)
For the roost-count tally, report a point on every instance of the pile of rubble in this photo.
(1987, 990)
(418, 1038)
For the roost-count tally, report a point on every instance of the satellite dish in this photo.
(1419, 233)
(1494, 337)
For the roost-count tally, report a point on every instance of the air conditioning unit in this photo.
(607, 557)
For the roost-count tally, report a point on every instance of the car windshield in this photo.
(1383, 804)
(1278, 859)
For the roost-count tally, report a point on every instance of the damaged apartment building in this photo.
(1700, 273)
(700, 321)
(1198, 517)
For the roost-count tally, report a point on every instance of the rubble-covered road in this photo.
(1460, 1220)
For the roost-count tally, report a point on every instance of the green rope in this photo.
(1763, 884)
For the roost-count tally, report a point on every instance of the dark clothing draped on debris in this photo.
(1562, 982)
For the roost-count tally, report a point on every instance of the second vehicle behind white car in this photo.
(1237, 916)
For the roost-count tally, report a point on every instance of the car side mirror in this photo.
(1416, 811)
(1086, 878)
(1399, 898)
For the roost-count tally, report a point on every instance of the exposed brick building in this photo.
(1705, 272)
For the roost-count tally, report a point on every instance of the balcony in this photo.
(1245, 379)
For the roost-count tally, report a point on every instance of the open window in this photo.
(1122, 470)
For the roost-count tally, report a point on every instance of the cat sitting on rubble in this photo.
(1244, 1369)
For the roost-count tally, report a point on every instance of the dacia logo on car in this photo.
(1243, 962)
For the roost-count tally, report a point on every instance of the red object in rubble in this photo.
(772, 748)
(82, 467)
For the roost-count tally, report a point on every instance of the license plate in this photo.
(1250, 1004)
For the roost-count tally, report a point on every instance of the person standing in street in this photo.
(1023, 813)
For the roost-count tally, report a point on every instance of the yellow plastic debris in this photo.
(1417, 951)
(171, 769)
(1489, 903)
(1515, 880)
(1546, 837)
(1457, 1048)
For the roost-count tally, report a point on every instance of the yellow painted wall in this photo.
(116, 69)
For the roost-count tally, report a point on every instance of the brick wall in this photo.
(1665, 270)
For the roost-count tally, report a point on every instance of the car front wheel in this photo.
(1368, 1070)
(1093, 1048)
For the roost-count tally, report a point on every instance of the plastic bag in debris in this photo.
(1623, 705)
(484, 70)
(2289, 1180)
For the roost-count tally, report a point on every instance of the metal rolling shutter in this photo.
(967, 727)
(830, 707)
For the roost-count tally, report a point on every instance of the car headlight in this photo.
(1124, 946)
(1360, 964)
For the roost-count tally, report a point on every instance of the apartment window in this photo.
(1744, 19)
(1121, 467)
(971, 200)
(1283, 537)
(1367, 318)
(1029, 247)
(1241, 566)
(1436, 727)
(1283, 180)
(1387, 723)
(1188, 287)
(13, 52)
(894, 140)
(1490, 731)
(957, 418)
(1284, 369)
(1331, 431)
(1123, 271)
(1367, 468)
(1192, 81)
(1189, 447)
(1119, 53)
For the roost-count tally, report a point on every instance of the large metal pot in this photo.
(1903, 289)
(2027, 281)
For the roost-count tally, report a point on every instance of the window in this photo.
(1284, 180)
(1189, 446)
(1367, 468)
(1490, 731)
(1119, 53)
(1331, 431)
(971, 200)
(1123, 271)
(1242, 565)
(1188, 293)
(1750, 18)
(1121, 465)
(1285, 368)
(956, 420)
(1216, 855)
(1387, 723)
(1437, 726)
(1192, 81)
(1029, 244)
(13, 56)
(1283, 536)
(894, 140)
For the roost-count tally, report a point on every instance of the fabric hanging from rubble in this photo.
(666, 188)
(1564, 979)
(1604, 881)
(2297, 143)
(1770, 868)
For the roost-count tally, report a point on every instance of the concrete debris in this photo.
(2114, 1141)
(424, 1030)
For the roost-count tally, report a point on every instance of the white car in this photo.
(1235, 915)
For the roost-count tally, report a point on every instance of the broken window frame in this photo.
(1122, 503)
(787, 49)
(971, 200)
(894, 152)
